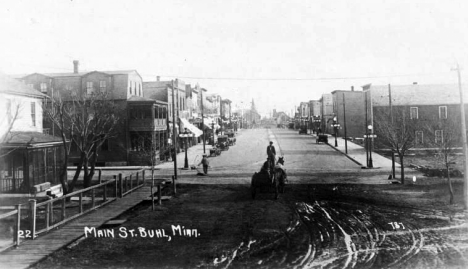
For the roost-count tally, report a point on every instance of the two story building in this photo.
(122, 87)
(28, 157)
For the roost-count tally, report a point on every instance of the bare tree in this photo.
(445, 136)
(56, 110)
(87, 120)
(398, 135)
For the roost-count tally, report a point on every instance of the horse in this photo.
(270, 176)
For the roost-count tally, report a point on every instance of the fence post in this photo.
(131, 182)
(81, 202)
(159, 194)
(47, 217)
(152, 197)
(121, 185)
(16, 235)
(174, 185)
(51, 211)
(32, 217)
(63, 209)
(99, 175)
(105, 192)
(138, 178)
(143, 177)
(116, 186)
(93, 202)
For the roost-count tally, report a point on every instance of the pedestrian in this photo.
(271, 152)
(319, 131)
(205, 163)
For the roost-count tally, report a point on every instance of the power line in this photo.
(293, 79)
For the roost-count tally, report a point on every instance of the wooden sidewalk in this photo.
(30, 252)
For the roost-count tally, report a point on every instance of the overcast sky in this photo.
(278, 52)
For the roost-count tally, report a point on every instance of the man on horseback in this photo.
(271, 152)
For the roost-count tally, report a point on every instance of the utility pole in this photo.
(344, 123)
(202, 120)
(463, 133)
(391, 120)
(365, 130)
(174, 140)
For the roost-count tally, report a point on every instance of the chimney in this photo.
(75, 66)
(415, 83)
(352, 88)
(157, 78)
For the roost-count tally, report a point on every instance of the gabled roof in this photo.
(416, 94)
(13, 86)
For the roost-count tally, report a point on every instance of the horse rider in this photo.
(271, 152)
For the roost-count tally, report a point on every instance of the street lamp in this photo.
(369, 137)
(186, 135)
(336, 126)
(213, 131)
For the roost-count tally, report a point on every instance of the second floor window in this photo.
(442, 112)
(414, 113)
(44, 87)
(33, 113)
(439, 136)
(89, 87)
(419, 138)
(102, 85)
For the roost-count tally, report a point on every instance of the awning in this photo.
(191, 127)
(209, 123)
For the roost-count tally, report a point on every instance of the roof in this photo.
(140, 99)
(31, 139)
(416, 94)
(13, 86)
(72, 74)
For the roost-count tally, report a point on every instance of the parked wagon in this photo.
(321, 138)
(223, 142)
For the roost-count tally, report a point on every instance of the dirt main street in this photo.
(332, 226)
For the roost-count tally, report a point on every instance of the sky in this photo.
(278, 53)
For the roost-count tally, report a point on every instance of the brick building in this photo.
(349, 105)
(426, 105)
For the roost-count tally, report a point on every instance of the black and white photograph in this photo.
(234, 134)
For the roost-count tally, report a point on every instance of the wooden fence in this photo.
(41, 217)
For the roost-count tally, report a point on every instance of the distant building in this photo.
(349, 105)
(326, 112)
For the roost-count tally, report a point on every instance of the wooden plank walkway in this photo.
(30, 252)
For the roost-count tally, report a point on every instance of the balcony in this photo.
(147, 124)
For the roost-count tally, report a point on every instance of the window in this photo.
(419, 138)
(44, 87)
(442, 112)
(105, 145)
(439, 136)
(413, 113)
(89, 87)
(33, 113)
(102, 85)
